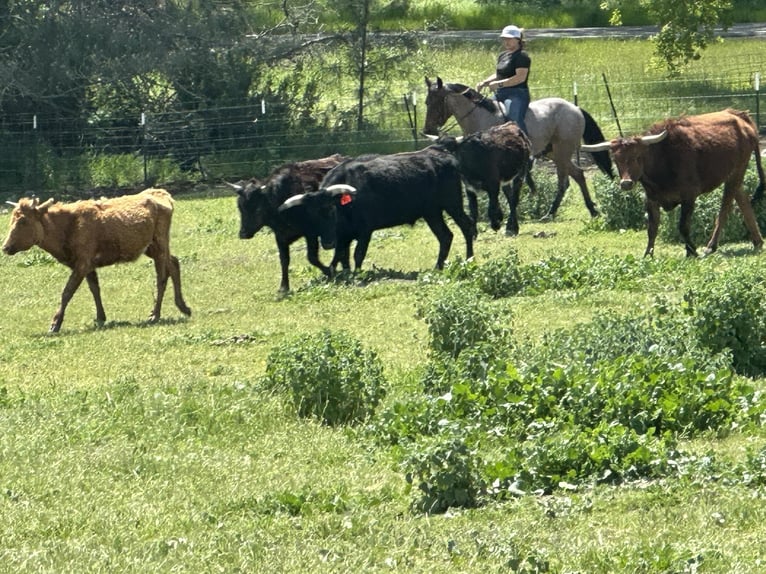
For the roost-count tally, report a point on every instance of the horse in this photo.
(555, 127)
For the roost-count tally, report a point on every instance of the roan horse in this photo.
(551, 122)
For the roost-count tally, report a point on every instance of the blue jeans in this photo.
(516, 103)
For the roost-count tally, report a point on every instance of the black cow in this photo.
(376, 192)
(259, 202)
(490, 159)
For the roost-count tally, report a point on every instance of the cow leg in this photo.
(467, 227)
(341, 255)
(161, 270)
(512, 192)
(360, 251)
(95, 290)
(312, 253)
(652, 225)
(473, 208)
(720, 220)
(528, 178)
(494, 211)
(174, 268)
(746, 207)
(284, 261)
(685, 227)
(72, 284)
(439, 228)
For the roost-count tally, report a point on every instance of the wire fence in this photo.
(248, 139)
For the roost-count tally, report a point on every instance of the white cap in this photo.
(511, 32)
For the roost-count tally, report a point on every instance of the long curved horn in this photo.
(46, 204)
(653, 139)
(12, 203)
(341, 188)
(593, 148)
(234, 186)
(292, 201)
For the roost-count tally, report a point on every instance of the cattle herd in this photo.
(338, 200)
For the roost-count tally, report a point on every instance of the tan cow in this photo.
(86, 235)
(680, 159)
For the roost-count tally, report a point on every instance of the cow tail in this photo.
(594, 135)
(761, 180)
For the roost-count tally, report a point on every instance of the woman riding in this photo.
(510, 78)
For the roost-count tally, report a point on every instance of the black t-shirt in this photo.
(509, 62)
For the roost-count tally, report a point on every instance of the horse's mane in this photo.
(475, 97)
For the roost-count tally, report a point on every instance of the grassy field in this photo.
(156, 448)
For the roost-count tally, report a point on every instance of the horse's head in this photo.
(437, 111)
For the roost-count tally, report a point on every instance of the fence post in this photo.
(611, 103)
(35, 144)
(143, 147)
(758, 100)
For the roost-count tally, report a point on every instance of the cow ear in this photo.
(439, 83)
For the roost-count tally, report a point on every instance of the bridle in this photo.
(457, 120)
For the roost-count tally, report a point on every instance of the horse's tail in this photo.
(594, 135)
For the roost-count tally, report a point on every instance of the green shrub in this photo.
(459, 316)
(619, 209)
(444, 472)
(533, 206)
(728, 312)
(329, 375)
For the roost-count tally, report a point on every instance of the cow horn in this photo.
(234, 186)
(656, 138)
(12, 203)
(593, 148)
(432, 137)
(46, 204)
(292, 201)
(341, 188)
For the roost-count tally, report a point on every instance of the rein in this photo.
(472, 110)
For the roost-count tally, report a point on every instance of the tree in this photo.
(686, 27)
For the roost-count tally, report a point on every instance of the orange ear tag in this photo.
(345, 199)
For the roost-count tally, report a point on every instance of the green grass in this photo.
(155, 448)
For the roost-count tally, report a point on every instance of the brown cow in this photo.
(89, 234)
(683, 158)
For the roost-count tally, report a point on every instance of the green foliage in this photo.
(619, 209)
(330, 376)
(444, 472)
(684, 31)
(728, 312)
(505, 276)
(533, 206)
(459, 317)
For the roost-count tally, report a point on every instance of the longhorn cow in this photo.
(680, 159)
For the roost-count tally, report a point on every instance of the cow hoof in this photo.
(511, 233)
